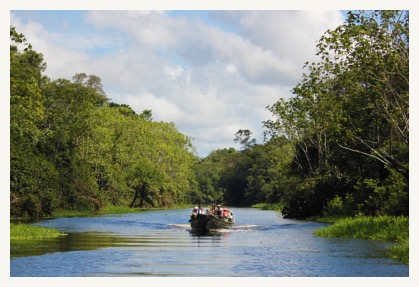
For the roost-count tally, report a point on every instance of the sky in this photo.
(211, 72)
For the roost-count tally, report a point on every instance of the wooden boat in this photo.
(207, 222)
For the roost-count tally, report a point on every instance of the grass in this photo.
(382, 228)
(400, 252)
(73, 213)
(269, 206)
(28, 232)
(109, 209)
(112, 209)
(326, 219)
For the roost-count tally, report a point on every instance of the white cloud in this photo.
(151, 28)
(209, 81)
(288, 39)
(173, 72)
(230, 69)
(167, 110)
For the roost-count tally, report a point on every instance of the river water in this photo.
(160, 243)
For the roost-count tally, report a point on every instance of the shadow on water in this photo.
(225, 232)
(237, 228)
(210, 233)
(71, 242)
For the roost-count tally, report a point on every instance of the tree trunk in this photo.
(139, 192)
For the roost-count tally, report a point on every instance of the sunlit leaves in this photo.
(73, 149)
(355, 100)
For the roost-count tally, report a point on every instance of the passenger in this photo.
(225, 212)
(195, 210)
(201, 210)
(218, 210)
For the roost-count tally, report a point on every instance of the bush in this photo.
(389, 196)
(400, 252)
(340, 207)
(335, 207)
(383, 228)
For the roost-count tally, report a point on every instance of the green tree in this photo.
(269, 179)
(32, 177)
(371, 64)
(349, 119)
(209, 173)
(243, 137)
(69, 109)
(73, 149)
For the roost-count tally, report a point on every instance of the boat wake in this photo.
(183, 226)
(236, 228)
(248, 227)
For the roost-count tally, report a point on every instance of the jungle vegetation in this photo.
(71, 148)
(338, 147)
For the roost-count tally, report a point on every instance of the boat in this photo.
(211, 221)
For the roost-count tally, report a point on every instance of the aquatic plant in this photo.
(23, 231)
(382, 228)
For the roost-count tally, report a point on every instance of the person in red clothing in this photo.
(225, 212)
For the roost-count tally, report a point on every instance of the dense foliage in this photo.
(349, 120)
(71, 148)
(338, 147)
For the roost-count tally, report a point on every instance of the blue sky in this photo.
(210, 72)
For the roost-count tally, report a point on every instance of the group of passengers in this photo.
(216, 209)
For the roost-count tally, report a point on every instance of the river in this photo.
(160, 243)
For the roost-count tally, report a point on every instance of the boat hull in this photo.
(207, 222)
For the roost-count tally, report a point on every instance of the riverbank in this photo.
(112, 209)
(22, 231)
(105, 210)
(383, 228)
(269, 206)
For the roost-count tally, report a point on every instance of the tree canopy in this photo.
(349, 118)
(71, 148)
(338, 146)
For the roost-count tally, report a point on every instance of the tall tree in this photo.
(244, 138)
(371, 65)
(349, 119)
(72, 149)
(69, 109)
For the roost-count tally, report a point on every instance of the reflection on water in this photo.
(161, 243)
(71, 242)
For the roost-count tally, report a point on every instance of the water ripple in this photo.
(161, 243)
